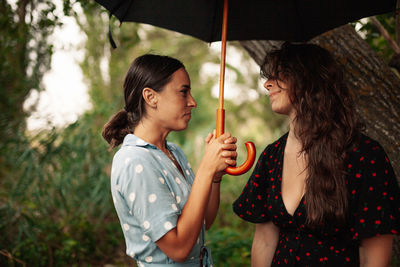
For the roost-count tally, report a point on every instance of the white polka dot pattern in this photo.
(146, 225)
(168, 225)
(127, 160)
(139, 168)
(152, 198)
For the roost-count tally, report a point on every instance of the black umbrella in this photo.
(290, 20)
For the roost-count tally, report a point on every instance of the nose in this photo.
(268, 84)
(191, 102)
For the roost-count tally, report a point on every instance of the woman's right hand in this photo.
(219, 153)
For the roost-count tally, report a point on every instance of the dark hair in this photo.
(325, 122)
(152, 71)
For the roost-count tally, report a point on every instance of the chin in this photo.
(180, 128)
(281, 110)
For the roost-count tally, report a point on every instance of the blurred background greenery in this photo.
(55, 202)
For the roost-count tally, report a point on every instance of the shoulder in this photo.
(132, 161)
(278, 146)
(132, 153)
(280, 143)
(367, 150)
(369, 165)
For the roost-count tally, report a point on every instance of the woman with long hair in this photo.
(162, 206)
(323, 193)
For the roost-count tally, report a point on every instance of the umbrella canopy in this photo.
(290, 20)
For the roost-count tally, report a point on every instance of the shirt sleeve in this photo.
(252, 203)
(378, 210)
(148, 197)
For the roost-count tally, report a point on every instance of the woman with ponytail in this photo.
(323, 193)
(163, 207)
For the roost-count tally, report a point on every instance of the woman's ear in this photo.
(150, 96)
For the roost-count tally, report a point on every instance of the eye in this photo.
(184, 91)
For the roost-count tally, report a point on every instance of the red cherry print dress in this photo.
(374, 208)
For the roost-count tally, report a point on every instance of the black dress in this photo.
(374, 208)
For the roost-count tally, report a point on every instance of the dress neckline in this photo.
(283, 145)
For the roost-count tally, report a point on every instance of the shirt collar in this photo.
(133, 140)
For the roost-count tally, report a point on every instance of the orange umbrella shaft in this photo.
(220, 110)
(223, 55)
(251, 150)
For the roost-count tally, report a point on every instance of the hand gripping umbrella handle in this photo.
(251, 150)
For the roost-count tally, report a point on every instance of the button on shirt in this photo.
(149, 193)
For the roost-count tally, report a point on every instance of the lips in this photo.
(271, 95)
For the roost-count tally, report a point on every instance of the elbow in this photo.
(180, 255)
(179, 259)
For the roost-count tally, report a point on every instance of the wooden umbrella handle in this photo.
(251, 150)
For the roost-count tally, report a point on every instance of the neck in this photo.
(293, 139)
(151, 133)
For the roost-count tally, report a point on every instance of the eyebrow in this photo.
(186, 86)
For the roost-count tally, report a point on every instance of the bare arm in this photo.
(264, 244)
(213, 203)
(178, 242)
(376, 251)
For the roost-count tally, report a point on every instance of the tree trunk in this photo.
(375, 87)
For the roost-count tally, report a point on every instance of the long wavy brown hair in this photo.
(325, 122)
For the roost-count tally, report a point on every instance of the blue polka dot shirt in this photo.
(149, 193)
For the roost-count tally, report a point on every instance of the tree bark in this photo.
(375, 87)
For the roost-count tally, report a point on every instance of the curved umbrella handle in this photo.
(245, 167)
(251, 150)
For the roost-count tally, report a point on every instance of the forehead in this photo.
(180, 78)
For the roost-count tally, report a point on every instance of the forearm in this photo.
(213, 204)
(376, 251)
(178, 242)
(264, 244)
(262, 254)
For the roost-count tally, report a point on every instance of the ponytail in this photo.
(117, 128)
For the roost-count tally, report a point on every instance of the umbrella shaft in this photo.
(223, 56)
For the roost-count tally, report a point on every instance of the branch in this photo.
(386, 35)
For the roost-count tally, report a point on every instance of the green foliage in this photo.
(374, 37)
(25, 54)
(55, 206)
(228, 247)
